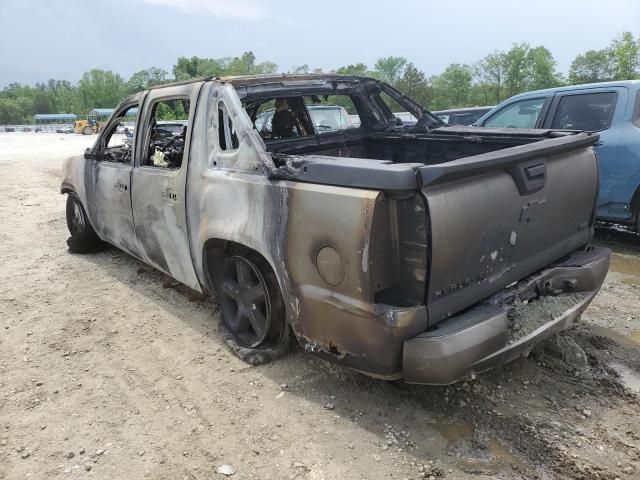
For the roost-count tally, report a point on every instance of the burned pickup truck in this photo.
(422, 252)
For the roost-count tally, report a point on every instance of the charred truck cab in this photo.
(422, 252)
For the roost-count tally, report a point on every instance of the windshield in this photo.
(326, 119)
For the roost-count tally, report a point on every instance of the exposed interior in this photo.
(352, 126)
(428, 149)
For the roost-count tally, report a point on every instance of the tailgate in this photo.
(498, 217)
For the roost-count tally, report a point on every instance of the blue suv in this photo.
(612, 109)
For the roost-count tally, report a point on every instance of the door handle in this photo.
(120, 186)
(529, 178)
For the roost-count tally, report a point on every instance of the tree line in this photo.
(494, 78)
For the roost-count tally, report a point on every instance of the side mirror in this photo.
(89, 155)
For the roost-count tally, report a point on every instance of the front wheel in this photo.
(83, 237)
(87, 130)
(252, 313)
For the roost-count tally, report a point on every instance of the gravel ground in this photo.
(107, 370)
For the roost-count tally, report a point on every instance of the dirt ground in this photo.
(108, 371)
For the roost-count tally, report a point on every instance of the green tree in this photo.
(492, 72)
(625, 54)
(101, 89)
(415, 85)
(541, 69)
(390, 69)
(186, 68)
(452, 87)
(515, 68)
(246, 65)
(10, 111)
(590, 67)
(301, 69)
(64, 97)
(145, 79)
(355, 69)
(41, 99)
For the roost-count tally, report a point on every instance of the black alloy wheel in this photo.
(245, 301)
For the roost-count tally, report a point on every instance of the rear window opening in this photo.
(364, 125)
(227, 136)
(282, 118)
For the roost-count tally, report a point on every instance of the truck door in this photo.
(108, 180)
(158, 180)
(596, 110)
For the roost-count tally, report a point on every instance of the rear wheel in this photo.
(252, 313)
(87, 130)
(83, 237)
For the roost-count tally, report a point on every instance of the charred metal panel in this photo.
(158, 195)
(344, 319)
(486, 235)
(73, 173)
(348, 172)
(107, 186)
(229, 198)
(109, 202)
(482, 337)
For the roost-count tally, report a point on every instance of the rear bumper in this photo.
(485, 337)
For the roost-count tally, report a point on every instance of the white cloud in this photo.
(246, 9)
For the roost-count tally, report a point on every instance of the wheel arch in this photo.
(215, 250)
(67, 188)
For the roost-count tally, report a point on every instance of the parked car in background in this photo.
(126, 129)
(613, 110)
(327, 118)
(65, 129)
(407, 118)
(461, 116)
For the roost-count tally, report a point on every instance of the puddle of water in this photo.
(498, 453)
(632, 339)
(629, 378)
(453, 432)
(625, 264)
(503, 455)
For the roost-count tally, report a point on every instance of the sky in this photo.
(62, 39)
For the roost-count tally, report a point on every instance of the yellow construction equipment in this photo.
(87, 126)
(96, 119)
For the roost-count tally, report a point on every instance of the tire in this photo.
(252, 312)
(83, 237)
(87, 130)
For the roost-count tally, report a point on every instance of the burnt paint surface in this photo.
(241, 196)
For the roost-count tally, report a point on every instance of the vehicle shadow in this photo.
(483, 426)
